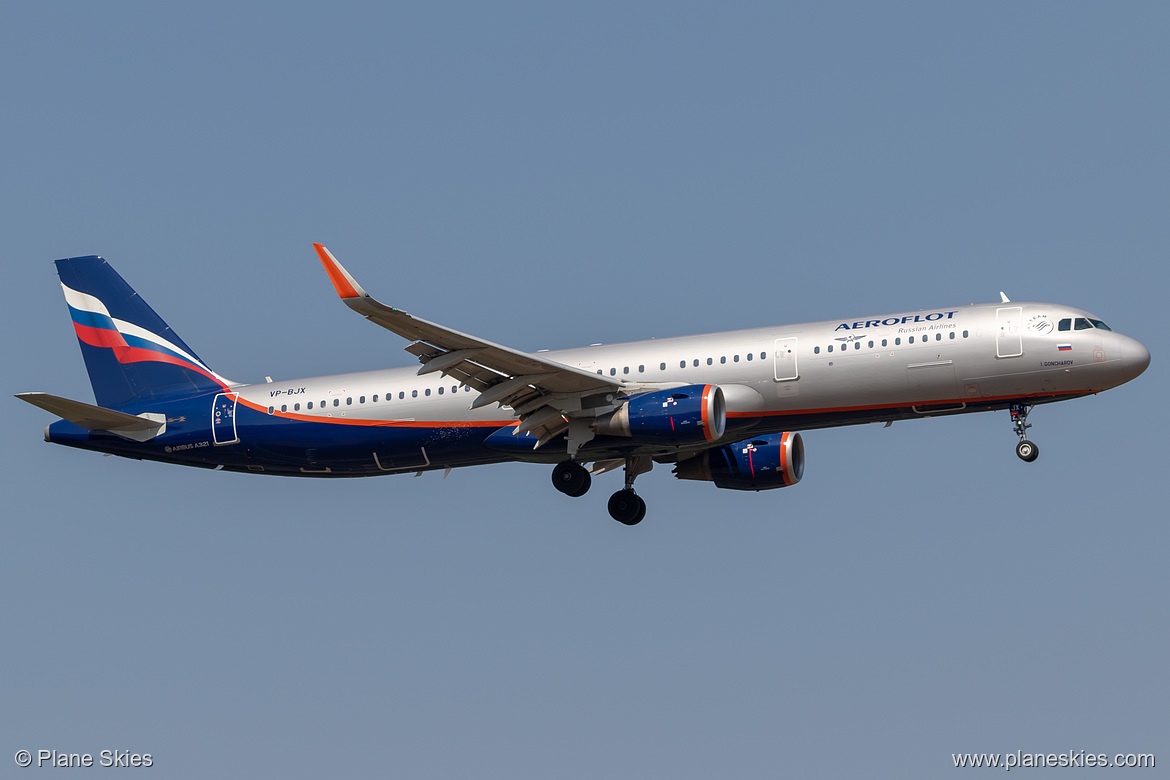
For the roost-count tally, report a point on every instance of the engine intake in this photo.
(764, 463)
(680, 415)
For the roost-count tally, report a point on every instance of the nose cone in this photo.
(1135, 358)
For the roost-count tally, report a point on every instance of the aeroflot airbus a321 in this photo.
(722, 407)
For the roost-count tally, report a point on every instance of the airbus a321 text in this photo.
(725, 408)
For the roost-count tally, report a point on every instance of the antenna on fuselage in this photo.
(1003, 297)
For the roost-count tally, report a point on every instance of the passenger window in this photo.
(938, 337)
(830, 347)
(964, 334)
(296, 407)
(362, 400)
(696, 362)
(454, 388)
(898, 342)
(735, 359)
(613, 372)
(641, 369)
(401, 394)
(661, 366)
(427, 391)
(374, 400)
(440, 391)
(349, 401)
(723, 359)
(952, 335)
(750, 355)
(414, 393)
(310, 405)
(871, 345)
(626, 370)
(763, 355)
(911, 339)
(816, 350)
(682, 364)
(1065, 324)
(709, 361)
(885, 342)
(857, 345)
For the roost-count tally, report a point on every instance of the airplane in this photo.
(725, 408)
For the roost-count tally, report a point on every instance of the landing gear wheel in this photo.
(571, 478)
(1027, 451)
(627, 507)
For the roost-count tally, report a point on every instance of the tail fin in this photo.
(130, 353)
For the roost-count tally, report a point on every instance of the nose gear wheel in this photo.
(1026, 451)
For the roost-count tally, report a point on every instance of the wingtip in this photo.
(345, 284)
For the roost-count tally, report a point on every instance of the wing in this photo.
(547, 396)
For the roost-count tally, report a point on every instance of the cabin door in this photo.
(1009, 333)
(223, 419)
(786, 369)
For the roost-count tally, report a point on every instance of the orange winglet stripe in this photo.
(336, 275)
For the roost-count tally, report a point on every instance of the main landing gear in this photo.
(625, 506)
(1026, 450)
(571, 478)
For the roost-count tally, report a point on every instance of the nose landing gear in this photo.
(1025, 450)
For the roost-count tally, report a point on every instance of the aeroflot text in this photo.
(860, 324)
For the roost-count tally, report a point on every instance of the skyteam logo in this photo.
(934, 316)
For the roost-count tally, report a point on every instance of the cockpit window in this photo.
(1083, 324)
(1099, 324)
(1065, 324)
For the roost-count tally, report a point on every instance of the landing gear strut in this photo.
(626, 506)
(1026, 450)
(571, 478)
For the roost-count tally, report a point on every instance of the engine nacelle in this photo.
(680, 415)
(763, 463)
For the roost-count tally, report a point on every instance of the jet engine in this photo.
(763, 463)
(680, 415)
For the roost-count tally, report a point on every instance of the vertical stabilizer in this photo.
(130, 353)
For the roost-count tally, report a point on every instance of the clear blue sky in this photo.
(548, 176)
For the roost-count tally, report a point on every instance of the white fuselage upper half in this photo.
(809, 374)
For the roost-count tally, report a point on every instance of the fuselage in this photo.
(790, 378)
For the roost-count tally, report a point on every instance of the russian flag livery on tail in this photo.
(131, 354)
(724, 408)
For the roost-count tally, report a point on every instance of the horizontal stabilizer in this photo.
(88, 416)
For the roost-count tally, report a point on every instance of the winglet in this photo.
(345, 284)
